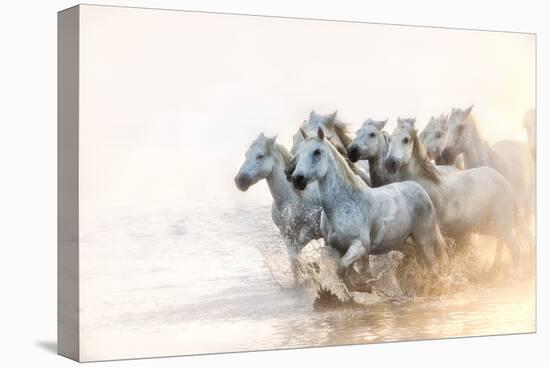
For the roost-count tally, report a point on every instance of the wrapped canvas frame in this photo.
(70, 338)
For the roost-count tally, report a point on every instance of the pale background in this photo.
(170, 101)
(28, 193)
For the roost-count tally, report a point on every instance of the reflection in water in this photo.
(214, 280)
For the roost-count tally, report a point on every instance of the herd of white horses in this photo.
(377, 192)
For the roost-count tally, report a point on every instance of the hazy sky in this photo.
(170, 101)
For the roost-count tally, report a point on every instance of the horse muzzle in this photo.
(299, 182)
(243, 182)
(391, 164)
(353, 153)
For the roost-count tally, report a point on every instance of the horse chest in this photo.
(346, 221)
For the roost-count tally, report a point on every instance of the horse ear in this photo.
(468, 110)
(413, 121)
(311, 114)
(379, 124)
(304, 135)
(321, 133)
(271, 140)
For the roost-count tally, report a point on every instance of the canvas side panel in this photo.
(67, 155)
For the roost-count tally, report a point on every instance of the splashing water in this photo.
(202, 280)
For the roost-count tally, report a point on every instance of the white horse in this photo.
(511, 158)
(298, 219)
(433, 138)
(476, 200)
(371, 144)
(358, 220)
(337, 132)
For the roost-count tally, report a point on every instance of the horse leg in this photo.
(292, 252)
(356, 251)
(503, 219)
(426, 241)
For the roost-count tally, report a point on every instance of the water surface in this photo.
(206, 280)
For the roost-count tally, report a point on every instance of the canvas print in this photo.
(238, 183)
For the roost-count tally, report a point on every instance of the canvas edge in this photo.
(340, 20)
(68, 320)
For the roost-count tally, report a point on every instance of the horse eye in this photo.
(438, 135)
(317, 152)
(372, 135)
(260, 156)
(460, 128)
(405, 140)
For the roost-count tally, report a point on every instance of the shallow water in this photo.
(207, 280)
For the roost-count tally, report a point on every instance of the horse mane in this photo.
(347, 168)
(343, 131)
(283, 153)
(427, 168)
(386, 137)
(342, 151)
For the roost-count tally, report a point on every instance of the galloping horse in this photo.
(371, 144)
(509, 157)
(433, 138)
(358, 220)
(475, 200)
(298, 219)
(337, 132)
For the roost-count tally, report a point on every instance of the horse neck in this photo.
(477, 152)
(334, 190)
(376, 164)
(412, 171)
(278, 185)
